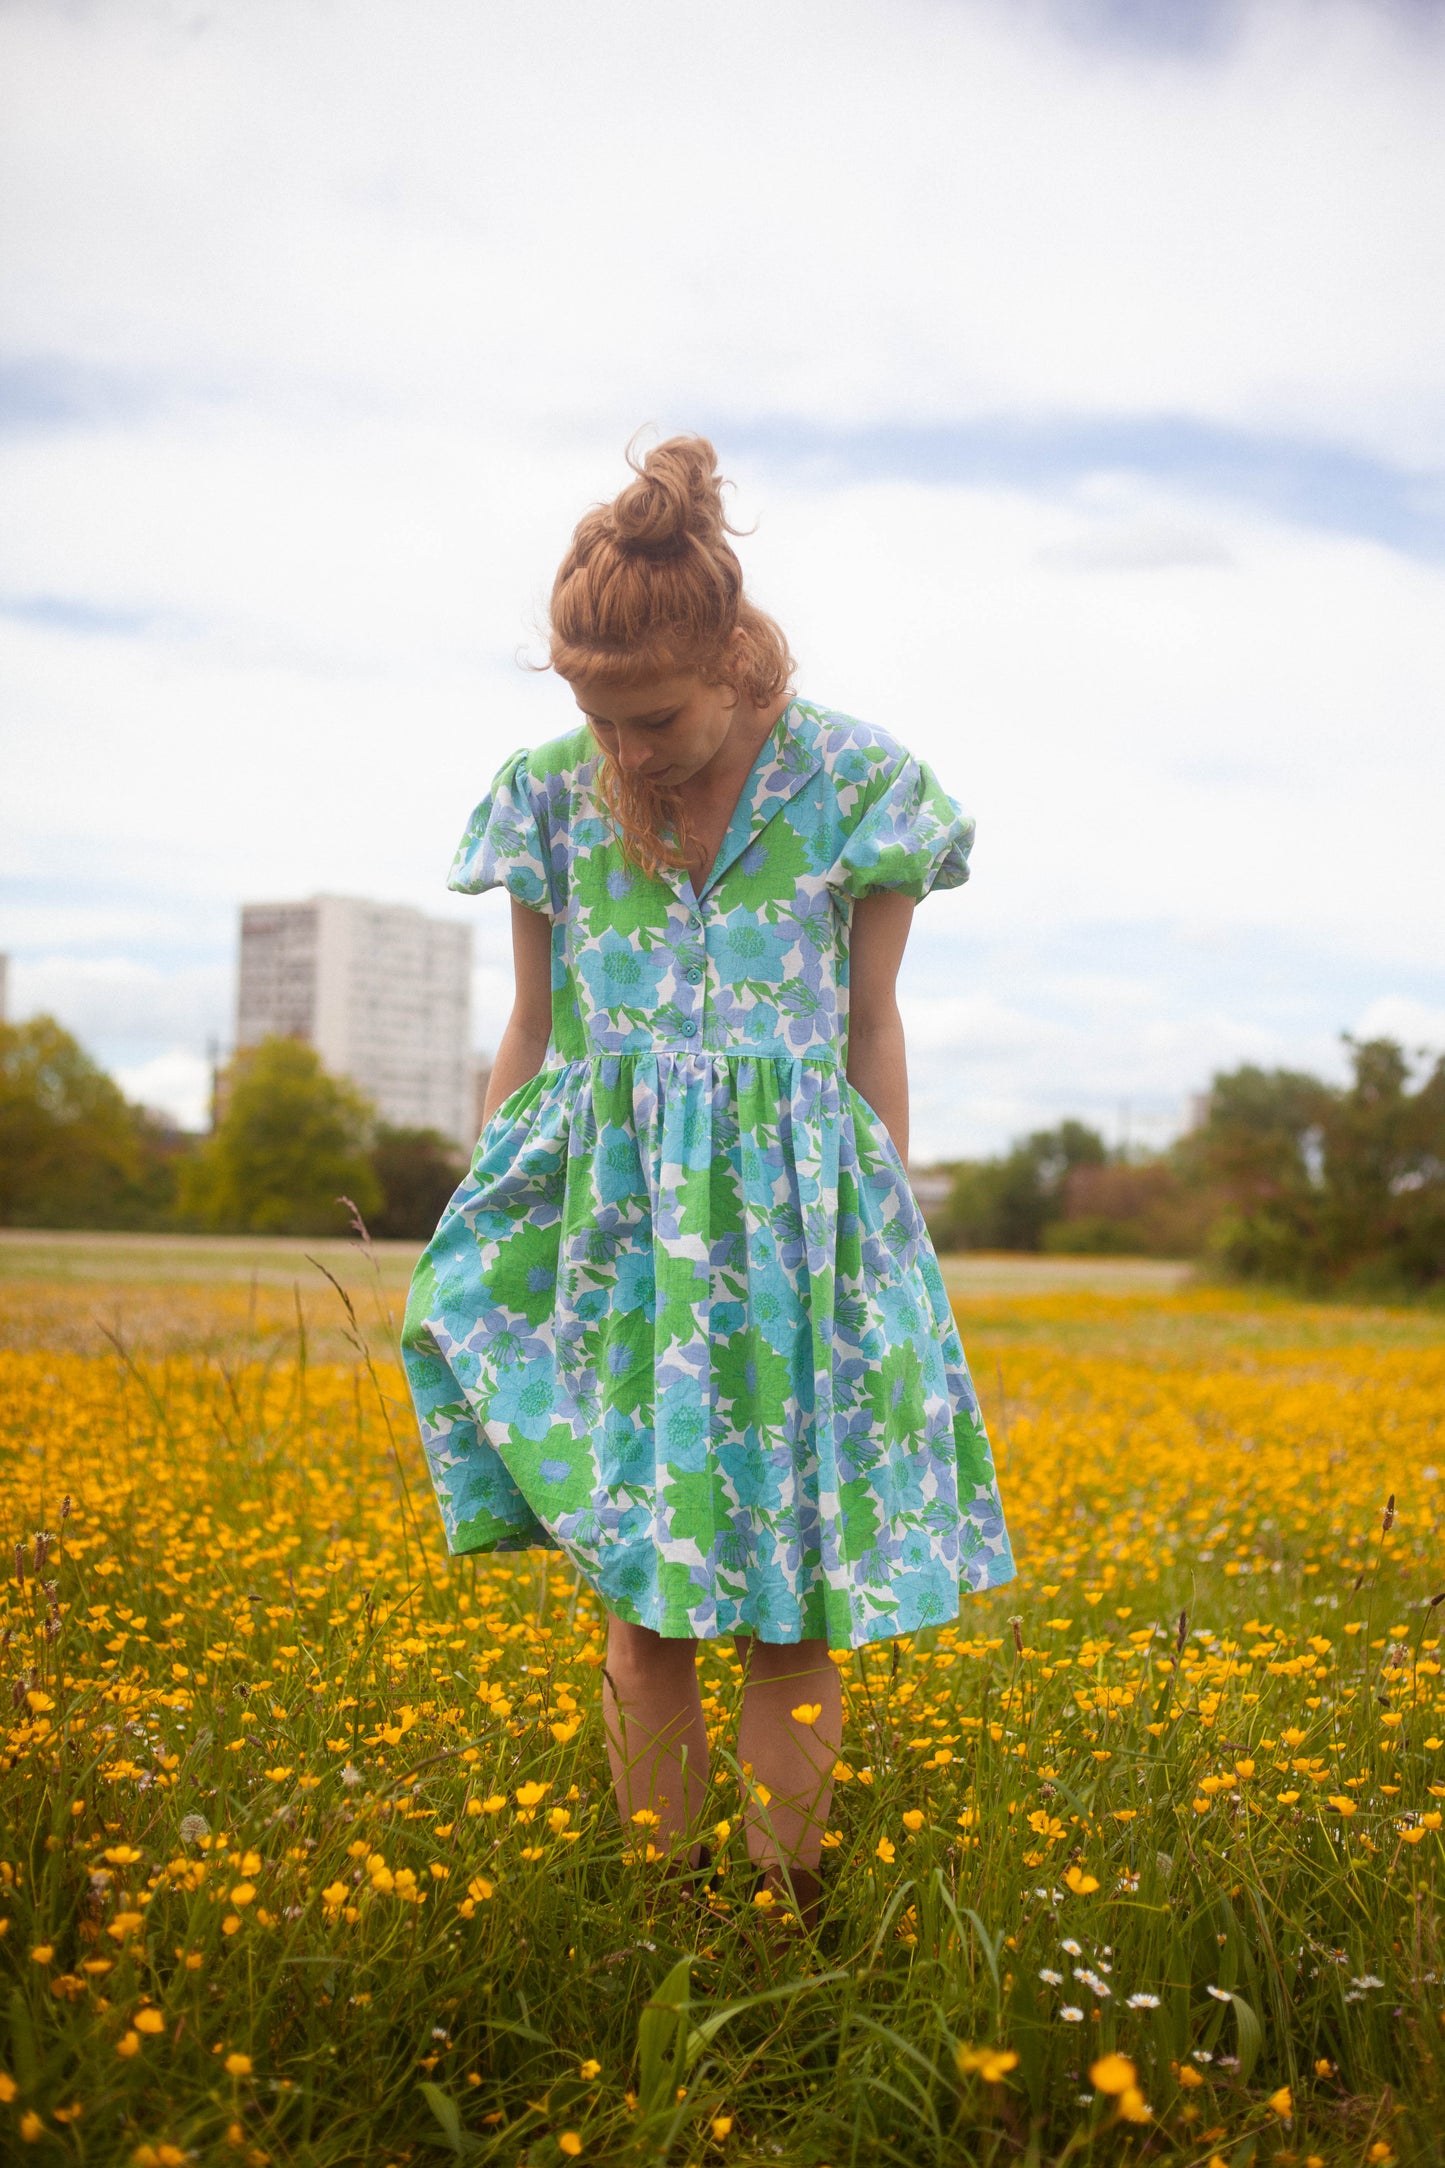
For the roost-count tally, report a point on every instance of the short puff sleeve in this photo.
(508, 843)
(912, 837)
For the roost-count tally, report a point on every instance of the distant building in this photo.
(381, 991)
(931, 1186)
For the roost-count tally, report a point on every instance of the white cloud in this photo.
(585, 209)
(358, 307)
(177, 1083)
(119, 999)
(1418, 1026)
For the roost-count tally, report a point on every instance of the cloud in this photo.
(177, 1083)
(117, 1001)
(1192, 31)
(1081, 364)
(1418, 1026)
(1312, 484)
(1141, 548)
(868, 214)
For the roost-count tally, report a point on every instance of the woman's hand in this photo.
(877, 1062)
(524, 1042)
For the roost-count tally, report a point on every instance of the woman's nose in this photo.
(631, 752)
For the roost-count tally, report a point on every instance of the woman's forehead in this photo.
(646, 702)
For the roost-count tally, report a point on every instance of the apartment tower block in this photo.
(380, 990)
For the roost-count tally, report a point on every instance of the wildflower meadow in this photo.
(308, 1852)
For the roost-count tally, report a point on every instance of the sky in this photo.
(1080, 366)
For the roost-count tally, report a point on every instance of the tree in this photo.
(73, 1151)
(1329, 1187)
(1006, 1204)
(291, 1141)
(1134, 1207)
(418, 1169)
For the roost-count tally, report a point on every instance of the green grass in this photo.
(255, 1625)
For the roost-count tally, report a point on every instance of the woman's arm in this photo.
(877, 1064)
(524, 1042)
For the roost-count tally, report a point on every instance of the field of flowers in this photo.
(308, 1852)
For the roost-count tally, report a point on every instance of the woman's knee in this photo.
(639, 1657)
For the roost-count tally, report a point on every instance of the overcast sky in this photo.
(1081, 362)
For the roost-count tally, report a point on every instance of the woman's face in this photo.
(664, 732)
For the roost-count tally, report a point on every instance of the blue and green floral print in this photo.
(683, 1320)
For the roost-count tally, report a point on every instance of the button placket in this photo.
(693, 974)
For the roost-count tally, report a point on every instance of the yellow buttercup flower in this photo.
(1112, 2074)
(991, 2064)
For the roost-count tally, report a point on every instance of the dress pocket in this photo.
(512, 1115)
(887, 1204)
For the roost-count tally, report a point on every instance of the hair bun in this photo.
(677, 497)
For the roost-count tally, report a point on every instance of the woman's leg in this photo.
(793, 1760)
(656, 1736)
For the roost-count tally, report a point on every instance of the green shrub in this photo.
(291, 1142)
(73, 1151)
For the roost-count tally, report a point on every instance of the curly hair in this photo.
(651, 586)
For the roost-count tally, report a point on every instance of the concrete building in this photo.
(381, 991)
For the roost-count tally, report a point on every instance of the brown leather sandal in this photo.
(804, 1899)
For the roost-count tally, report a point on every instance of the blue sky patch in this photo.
(1307, 481)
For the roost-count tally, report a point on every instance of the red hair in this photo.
(650, 587)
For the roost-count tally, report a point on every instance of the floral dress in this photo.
(682, 1320)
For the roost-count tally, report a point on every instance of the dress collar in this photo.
(786, 759)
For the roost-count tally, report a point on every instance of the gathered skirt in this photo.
(684, 1322)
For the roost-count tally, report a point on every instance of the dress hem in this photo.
(1001, 1569)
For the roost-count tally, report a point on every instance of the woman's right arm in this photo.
(524, 1042)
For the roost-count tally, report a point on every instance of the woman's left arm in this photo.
(877, 1063)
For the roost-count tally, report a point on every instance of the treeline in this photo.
(75, 1153)
(1287, 1179)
